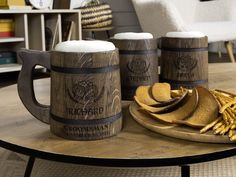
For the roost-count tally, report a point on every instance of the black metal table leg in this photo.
(108, 34)
(185, 171)
(93, 35)
(29, 166)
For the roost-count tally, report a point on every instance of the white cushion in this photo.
(186, 8)
(85, 46)
(133, 36)
(216, 19)
(216, 31)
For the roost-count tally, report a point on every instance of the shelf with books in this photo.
(39, 29)
(7, 27)
(11, 39)
(10, 67)
(8, 62)
(4, 68)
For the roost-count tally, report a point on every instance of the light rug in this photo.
(13, 165)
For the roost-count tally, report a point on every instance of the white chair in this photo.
(217, 19)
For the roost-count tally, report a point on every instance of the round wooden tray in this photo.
(173, 130)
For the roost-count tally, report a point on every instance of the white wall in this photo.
(124, 16)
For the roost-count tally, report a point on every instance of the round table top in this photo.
(134, 146)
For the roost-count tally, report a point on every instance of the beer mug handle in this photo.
(30, 59)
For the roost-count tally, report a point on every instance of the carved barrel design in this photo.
(138, 64)
(184, 61)
(85, 95)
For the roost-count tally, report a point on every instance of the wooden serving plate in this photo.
(173, 130)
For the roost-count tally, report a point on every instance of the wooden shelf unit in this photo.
(11, 39)
(30, 30)
(14, 67)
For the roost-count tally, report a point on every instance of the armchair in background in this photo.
(217, 19)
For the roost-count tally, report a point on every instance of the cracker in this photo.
(161, 92)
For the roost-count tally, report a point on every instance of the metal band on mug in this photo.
(67, 70)
(89, 122)
(138, 52)
(196, 82)
(185, 49)
(131, 88)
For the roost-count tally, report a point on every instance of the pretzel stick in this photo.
(233, 126)
(218, 125)
(227, 105)
(233, 138)
(209, 126)
(231, 133)
(231, 115)
(227, 98)
(222, 91)
(226, 118)
(218, 130)
(225, 130)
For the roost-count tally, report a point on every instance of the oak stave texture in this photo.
(138, 64)
(85, 100)
(184, 62)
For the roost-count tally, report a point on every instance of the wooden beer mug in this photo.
(85, 89)
(138, 61)
(184, 59)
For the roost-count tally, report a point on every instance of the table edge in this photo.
(110, 162)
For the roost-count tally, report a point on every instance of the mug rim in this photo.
(108, 51)
(111, 39)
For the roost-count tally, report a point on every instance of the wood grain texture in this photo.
(85, 96)
(184, 42)
(30, 59)
(133, 142)
(181, 64)
(138, 67)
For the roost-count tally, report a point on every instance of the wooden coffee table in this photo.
(135, 146)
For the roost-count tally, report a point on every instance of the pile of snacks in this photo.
(198, 108)
(225, 124)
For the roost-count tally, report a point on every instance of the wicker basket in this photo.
(96, 15)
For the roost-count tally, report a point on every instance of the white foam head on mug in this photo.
(133, 36)
(85, 46)
(185, 34)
